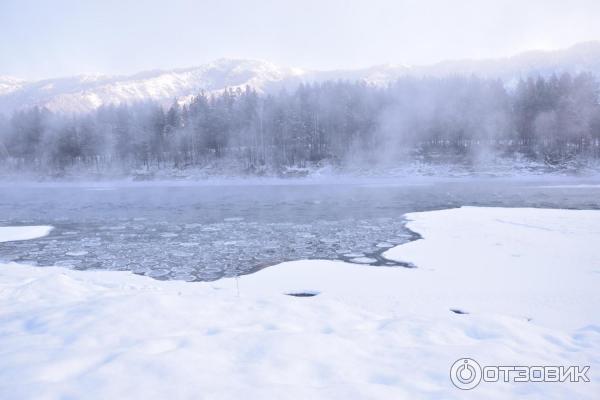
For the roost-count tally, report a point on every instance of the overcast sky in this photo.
(50, 38)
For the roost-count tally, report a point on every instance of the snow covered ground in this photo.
(527, 280)
(12, 233)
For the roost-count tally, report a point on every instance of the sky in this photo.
(53, 38)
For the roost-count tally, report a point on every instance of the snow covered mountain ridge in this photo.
(87, 92)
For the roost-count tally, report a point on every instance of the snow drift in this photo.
(526, 280)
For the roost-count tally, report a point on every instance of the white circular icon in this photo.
(465, 373)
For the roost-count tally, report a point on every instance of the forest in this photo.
(455, 119)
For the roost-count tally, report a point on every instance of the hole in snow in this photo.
(303, 294)
(457, 311)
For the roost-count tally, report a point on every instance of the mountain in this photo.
(8, 84)
(87, 92)
(582, 57)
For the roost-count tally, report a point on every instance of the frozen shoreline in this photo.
(550, 181)
(527, 278)
(499, 168)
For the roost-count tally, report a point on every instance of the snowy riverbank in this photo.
(231, 171)
(528, 280)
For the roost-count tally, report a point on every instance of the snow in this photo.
(85, 93)
(525, 278)
(12, 233)
(542, 260)
(9, 84)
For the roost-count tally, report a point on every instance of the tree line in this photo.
(552, 119)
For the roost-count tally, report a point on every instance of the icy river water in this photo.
(200, 231)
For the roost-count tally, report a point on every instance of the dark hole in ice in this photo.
(303, 294)
(457, 311)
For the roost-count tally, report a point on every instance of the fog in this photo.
(468, 121)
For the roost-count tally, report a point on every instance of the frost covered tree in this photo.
(454, 119)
